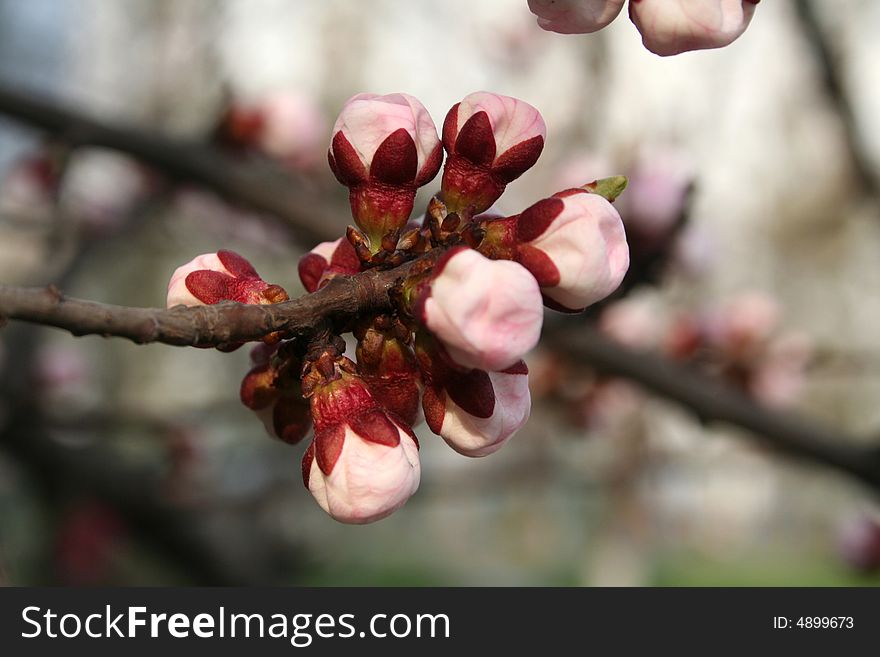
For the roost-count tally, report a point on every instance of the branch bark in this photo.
(341, 300)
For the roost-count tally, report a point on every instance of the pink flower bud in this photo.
(574, 244)
(222, 276)
(575, 16)
(487, 313)
(327, 260)
(362, 465)
(670, 27)
(475, 412)
(491, 140)
(384, 148)
(275, 395)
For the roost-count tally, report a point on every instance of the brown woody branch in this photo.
(343, 299)
(713, 401)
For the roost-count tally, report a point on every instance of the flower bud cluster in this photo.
(449, 347)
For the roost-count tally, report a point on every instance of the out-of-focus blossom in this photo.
(100, 187)
(491, 140)
(656, 195)
(30, 186)
(635, 322)
(285, 125)
(742, 341)
(670, 27)
(780, 373)
(744, 324)
(858, 542)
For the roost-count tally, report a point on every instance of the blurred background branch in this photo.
(260, 187)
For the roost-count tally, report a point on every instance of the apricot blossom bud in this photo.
(487, 313)
(363, 464)
(222, 276)
(670, 27)
(575, 16)
(327, 260)
(574, 244)
(383, 148)
(474, 411)
(491, 140)
(272, 390)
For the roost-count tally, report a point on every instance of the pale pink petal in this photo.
(670, 27)
(488, 313)
(474, 436)
(367, 120)
(513, 121)
(587, 244)
(369, 481)
(178, 294)
(575, 16)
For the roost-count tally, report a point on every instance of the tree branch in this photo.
(347, 298)
(835, 86)
(712, 400)
(343, 299)
(282, 196)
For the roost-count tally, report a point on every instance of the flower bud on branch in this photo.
(383, 149)
(491, 140)
(362, 465)
(327, 260)
(222, 276)
(474, 411)
(487, 313)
